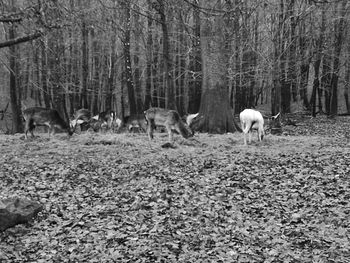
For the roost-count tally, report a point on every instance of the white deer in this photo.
(252, 119)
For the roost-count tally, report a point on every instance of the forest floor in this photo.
(120, 198)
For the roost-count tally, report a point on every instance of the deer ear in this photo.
(276, 116)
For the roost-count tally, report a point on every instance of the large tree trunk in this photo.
(57, 78)
(44, 76)
(281, 56)
(137, 66)
(195, 85)
(15, 104)
(316, 83)
(170, 94)
(236, 96)
(277, 67)
(339, 28)
(149, 58)
(215, 113)
(292, 69)
(127, 57)
(305, 65)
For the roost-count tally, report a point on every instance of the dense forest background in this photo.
(207, 56)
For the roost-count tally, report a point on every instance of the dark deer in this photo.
(37, 116)
(169, 119)
(108, 118)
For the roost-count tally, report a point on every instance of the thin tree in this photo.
(195, 67)
(167, 66)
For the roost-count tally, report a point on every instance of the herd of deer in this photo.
(170, 119)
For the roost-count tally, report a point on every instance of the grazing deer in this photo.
(82, 118)
(190, 118)
(108, 118)
(97, 125)
(252, 119)
(170, 119)
(136, 123)
(37, 116)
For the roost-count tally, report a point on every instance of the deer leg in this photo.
(150, 130)
(32, 131)
(31, 128)
(170, 133)
(53, 131)
(26, 129)
(247, 130)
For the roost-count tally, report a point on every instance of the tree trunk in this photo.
(326, 82)
(315, 86)
(278, 87)
(44, 77)
(215, 113)
(137, 71)
(15, 104)
(85, 66)
(284, 84)
(347, 85)
(195, 85)
(127, 57)
(170, 94)
(58, 91)
(316, 83)
(304, 43)
(149, 58)
(110, 76)
(339, 28)
(237, 96)
(292, 77)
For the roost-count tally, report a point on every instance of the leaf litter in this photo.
(120, 198)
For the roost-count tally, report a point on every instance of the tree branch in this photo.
(10, 19)
(19, 40)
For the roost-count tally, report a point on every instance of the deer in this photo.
(252, 120)
(189, 119)
(37, 116)
(170, 119)
(136, 123)
(108, 119)
(82, 118)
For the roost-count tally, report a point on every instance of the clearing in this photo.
(120, 198)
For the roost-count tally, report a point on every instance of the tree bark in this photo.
(316, 83)
(85, 65)
(195, 85)
(170, 94)
(149, 43)
(137, 70)
(128, 76)
(44, 77)
(15, 104)
(18, 40)
(215, 113)
(339, 28)
(284, 84)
